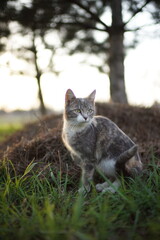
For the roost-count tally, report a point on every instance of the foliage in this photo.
(90, 23)
(34, 207)
(7, 11)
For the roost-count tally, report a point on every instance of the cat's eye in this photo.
(77, 110)
(90, 111)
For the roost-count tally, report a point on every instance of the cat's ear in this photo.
(92, 95)
(69, 96)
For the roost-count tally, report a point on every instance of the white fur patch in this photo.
(80, 119)
(71, 128)
(107, 167)
(69, 131)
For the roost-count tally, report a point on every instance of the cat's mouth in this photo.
(82, 119)
(83, 123)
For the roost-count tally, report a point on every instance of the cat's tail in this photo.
(129, 161)
(125, 156)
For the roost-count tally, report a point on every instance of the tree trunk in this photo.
(116, 61)
(38, 77)
(40, 96)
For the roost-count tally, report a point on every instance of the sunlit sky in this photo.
(142, 73)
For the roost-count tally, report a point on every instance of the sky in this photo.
(142, 73)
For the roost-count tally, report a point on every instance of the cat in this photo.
(97, 143)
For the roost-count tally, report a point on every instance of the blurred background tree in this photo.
(34, 21)
(37, 21)
(87, 19)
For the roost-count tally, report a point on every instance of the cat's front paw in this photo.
(84, 190)
(109, 190)
(101, 186)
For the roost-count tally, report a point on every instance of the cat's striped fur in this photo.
(95, 142)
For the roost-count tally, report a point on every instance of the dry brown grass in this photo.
(41, 141)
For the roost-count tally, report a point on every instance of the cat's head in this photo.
(79, 110)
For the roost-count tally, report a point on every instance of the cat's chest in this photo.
(81, 141)
(70, 135)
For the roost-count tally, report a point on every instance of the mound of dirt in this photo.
(141, 124)
(41, 142)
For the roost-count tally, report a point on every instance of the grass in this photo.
(8, 129)
(47, 208)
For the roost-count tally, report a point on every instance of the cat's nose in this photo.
(85, 117)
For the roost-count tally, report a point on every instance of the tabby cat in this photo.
(97, 143)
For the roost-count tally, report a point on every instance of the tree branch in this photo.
(137, 11)
(85, 25)
(93, 15)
